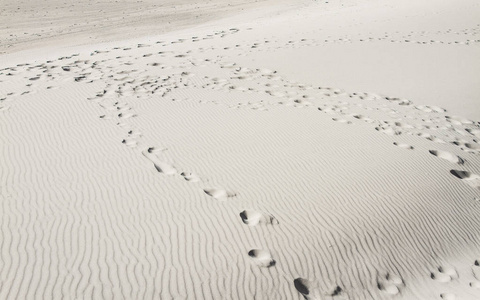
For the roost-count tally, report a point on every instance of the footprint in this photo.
(447, 156)
(191, 177)
(156, 150)
(160, 166)
(130, 142)
(448, 296)
(475, 132)
(126, 115)
(252, 218)
(262, 258)
(429, 109)
(404, 146)
(165, 168)
(444, 274)
(475, 284)
(471, 179)
(472, 146)
(457, 120)
(467, 146)
(388, 130)
(436, 140)
(388, 288)
(219, 193)
(342, 121)
(132, 133)
(311, 291)
(305, 287)
(390, 284)
(361, 117)
(476, 275)
(403, 125)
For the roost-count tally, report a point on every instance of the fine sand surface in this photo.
(294, 150)
(27, 24)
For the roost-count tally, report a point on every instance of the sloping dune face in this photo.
(214, 163)
(27, 24)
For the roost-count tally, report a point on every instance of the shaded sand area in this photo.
(291, 153)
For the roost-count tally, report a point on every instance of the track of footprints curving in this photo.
(127, 76)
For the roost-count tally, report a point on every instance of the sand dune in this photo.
(30, 24)
(246, 158)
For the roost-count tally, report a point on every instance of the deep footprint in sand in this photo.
(165, 168)
(311, 290)
(475, 132)
(448, 296)
(447, 156)
(342, 121)
(390, 284)
(472, 146)
(219, 193)
(471, 179)
(475, 284)
(160, 166)
(126, 115)
(388, 130)
(190, 177)
(457, 120)
(476, 274)
(444, 274)
(404, 146)
(130, 142)
(306, 288)
(262, 258)
(436, 140)
(252, 218)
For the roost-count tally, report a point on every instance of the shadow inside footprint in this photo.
(447, 156)
(262, 258)
(460, 174)
(390, 284)
(404, 146)
(252, 218)
(302, 286)
(310, 290)
(160, 166)
(218, 193)
(471, 179)
(191, 177)
(164, 168)
(444, 274)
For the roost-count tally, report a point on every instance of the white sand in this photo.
(293, 150)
